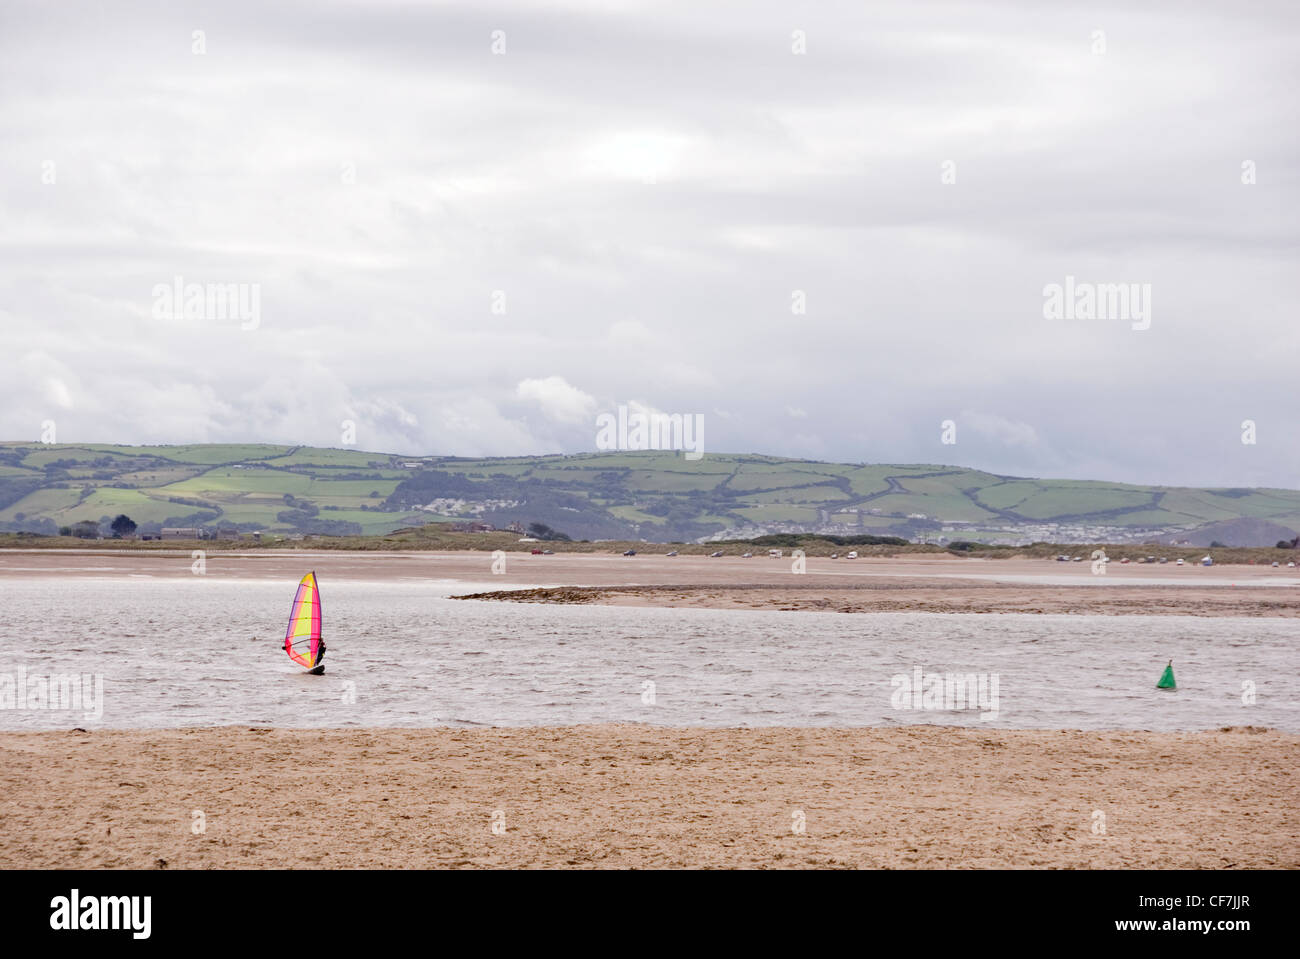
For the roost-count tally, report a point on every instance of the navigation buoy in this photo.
(1167, 678)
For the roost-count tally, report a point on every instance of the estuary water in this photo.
(201, 652)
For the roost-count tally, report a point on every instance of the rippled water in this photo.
(203, 652)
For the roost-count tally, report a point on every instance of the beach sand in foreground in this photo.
(639, 796)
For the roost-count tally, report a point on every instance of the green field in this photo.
(658, 496)
(43, 502)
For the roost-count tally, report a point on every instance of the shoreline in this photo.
(942, 584)
(631, 796)
(924, 596)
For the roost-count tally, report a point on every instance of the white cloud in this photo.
(558, 400)
(998, 428)
(633, 334)
(57, 392)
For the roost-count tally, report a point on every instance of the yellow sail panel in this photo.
(302, 638)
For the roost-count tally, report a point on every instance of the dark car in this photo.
(718, 553)
(629, 552)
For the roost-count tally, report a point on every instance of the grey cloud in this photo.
(771, 172)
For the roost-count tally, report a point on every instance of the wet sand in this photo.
(930, 596)
(645, 797)
(908, 584)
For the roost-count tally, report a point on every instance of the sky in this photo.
(825, 229)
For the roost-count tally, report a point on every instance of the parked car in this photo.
(853, 554)
(716, 553)
(835, 555)
(629, 552)
(746, 555)
(671, 552)
(1179, 561)
(1164, 559)
(548, 552)
(536, 552)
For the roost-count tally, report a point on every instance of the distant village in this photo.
(922, 529)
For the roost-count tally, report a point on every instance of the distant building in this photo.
(180, 532)
(227, 532)
(471, 527)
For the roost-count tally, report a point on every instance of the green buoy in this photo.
(1167, 678)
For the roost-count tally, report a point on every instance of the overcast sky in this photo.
(647, 188)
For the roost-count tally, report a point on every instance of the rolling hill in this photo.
(651, 495)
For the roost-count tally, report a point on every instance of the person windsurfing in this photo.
(302, 640)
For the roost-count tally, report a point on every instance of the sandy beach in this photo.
(646, 797)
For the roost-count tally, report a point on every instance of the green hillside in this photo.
(657, 496)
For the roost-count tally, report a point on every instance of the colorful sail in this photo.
(302, 640)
